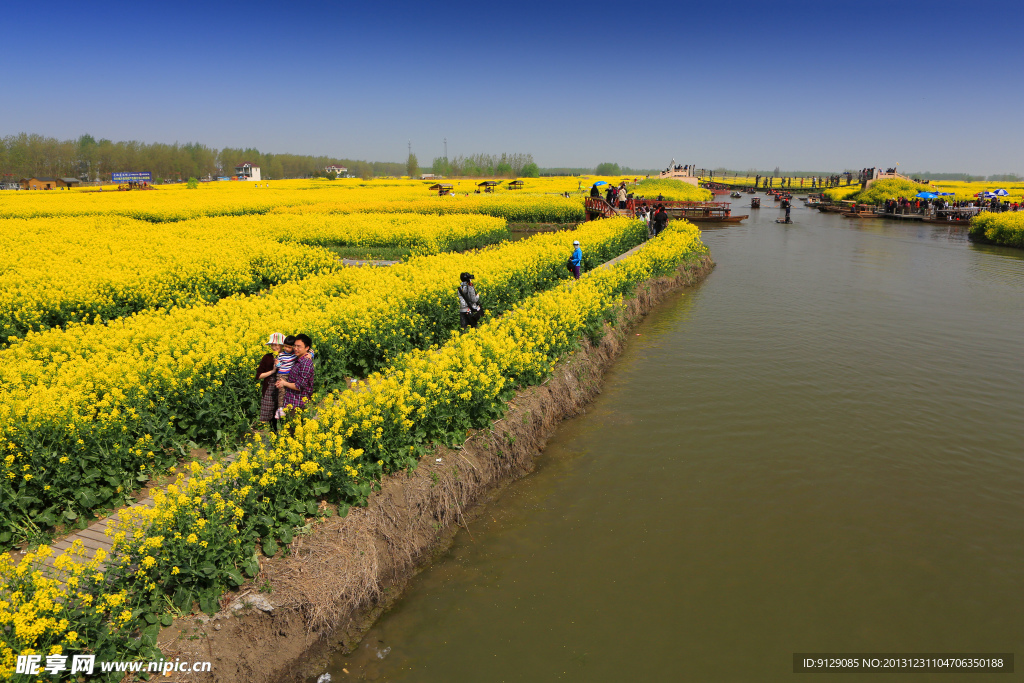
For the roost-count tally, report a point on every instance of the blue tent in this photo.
(926, 195)
(601, 182)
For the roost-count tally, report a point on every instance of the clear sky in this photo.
(801, 85)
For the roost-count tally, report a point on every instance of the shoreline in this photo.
(345, 572)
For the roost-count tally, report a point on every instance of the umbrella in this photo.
(601, 182)
(945, 194)
(926, 195)
(1000, 193)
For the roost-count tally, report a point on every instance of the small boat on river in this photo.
(735, 195)
(755, 202)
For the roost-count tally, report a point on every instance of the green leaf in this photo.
(183, 599)
(70, 515)
(208, 602)
(286, 535)
(343, 510)
(149, 634)
(166, 620)
(151, 618)
(252, 567)
(235, 577)
(269, 546)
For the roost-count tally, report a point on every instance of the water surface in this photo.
(818, 449)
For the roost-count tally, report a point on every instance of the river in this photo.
(819, 449)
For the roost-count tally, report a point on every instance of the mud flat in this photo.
(345, 572)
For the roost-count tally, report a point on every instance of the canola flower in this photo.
(1006, 228)
(87, 412)
(675, 190)
(201, 536)
(111, 267)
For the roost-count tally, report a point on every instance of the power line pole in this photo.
(446, 149)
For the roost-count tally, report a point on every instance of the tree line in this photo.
(506, 165)
(87, 158)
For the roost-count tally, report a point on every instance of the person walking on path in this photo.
(470, 310)
(265, 372)
(576, 260)
(298, 388)
(622, 196)
(660, 220)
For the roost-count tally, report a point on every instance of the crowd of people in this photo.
(904, 205)
(616, 195)
(813, 182)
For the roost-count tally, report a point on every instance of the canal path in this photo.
(821, 448)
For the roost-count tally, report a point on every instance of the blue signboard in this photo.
(129, 177)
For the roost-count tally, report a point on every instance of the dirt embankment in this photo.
(346, 571)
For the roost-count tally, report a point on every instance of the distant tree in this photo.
(530, 171)
(192, 183)
(608, 168)
(503, 169)
(441, 167)
(412, 166)
(331, 175)
(776, 172)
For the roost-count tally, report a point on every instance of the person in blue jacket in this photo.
(576, 260)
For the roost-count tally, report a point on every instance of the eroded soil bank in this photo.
(346, 571)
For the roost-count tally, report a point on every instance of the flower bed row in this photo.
(999, 228)
(111, 267)
(88, 412)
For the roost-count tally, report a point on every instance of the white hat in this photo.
(275, 338)
(576, 243)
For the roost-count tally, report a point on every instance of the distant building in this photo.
(339, 171)
(10, 186)
(427, 176)
(38, 183)
(68, 182)
(247, 171)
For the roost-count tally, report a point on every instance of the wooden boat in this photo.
(755, 202)
(862, 211)
(735, 195)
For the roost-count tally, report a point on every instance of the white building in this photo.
(246, 171)
(339, 171)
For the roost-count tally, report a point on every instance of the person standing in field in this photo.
(622, 196)
(265, 376)
(576, 260)
(298, 387)
(470, 310)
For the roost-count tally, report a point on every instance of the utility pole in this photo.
(410, 147)
(446, 149)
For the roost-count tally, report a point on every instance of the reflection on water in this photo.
(819, 449)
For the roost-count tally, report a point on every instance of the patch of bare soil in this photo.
(347, 571)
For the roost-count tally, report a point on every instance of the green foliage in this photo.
(331, 175)
(412, 166)
(192, 183)
(531, 170)
(608, 168)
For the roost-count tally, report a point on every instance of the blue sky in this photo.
(800, 85)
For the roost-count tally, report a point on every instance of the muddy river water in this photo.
(821, 448)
